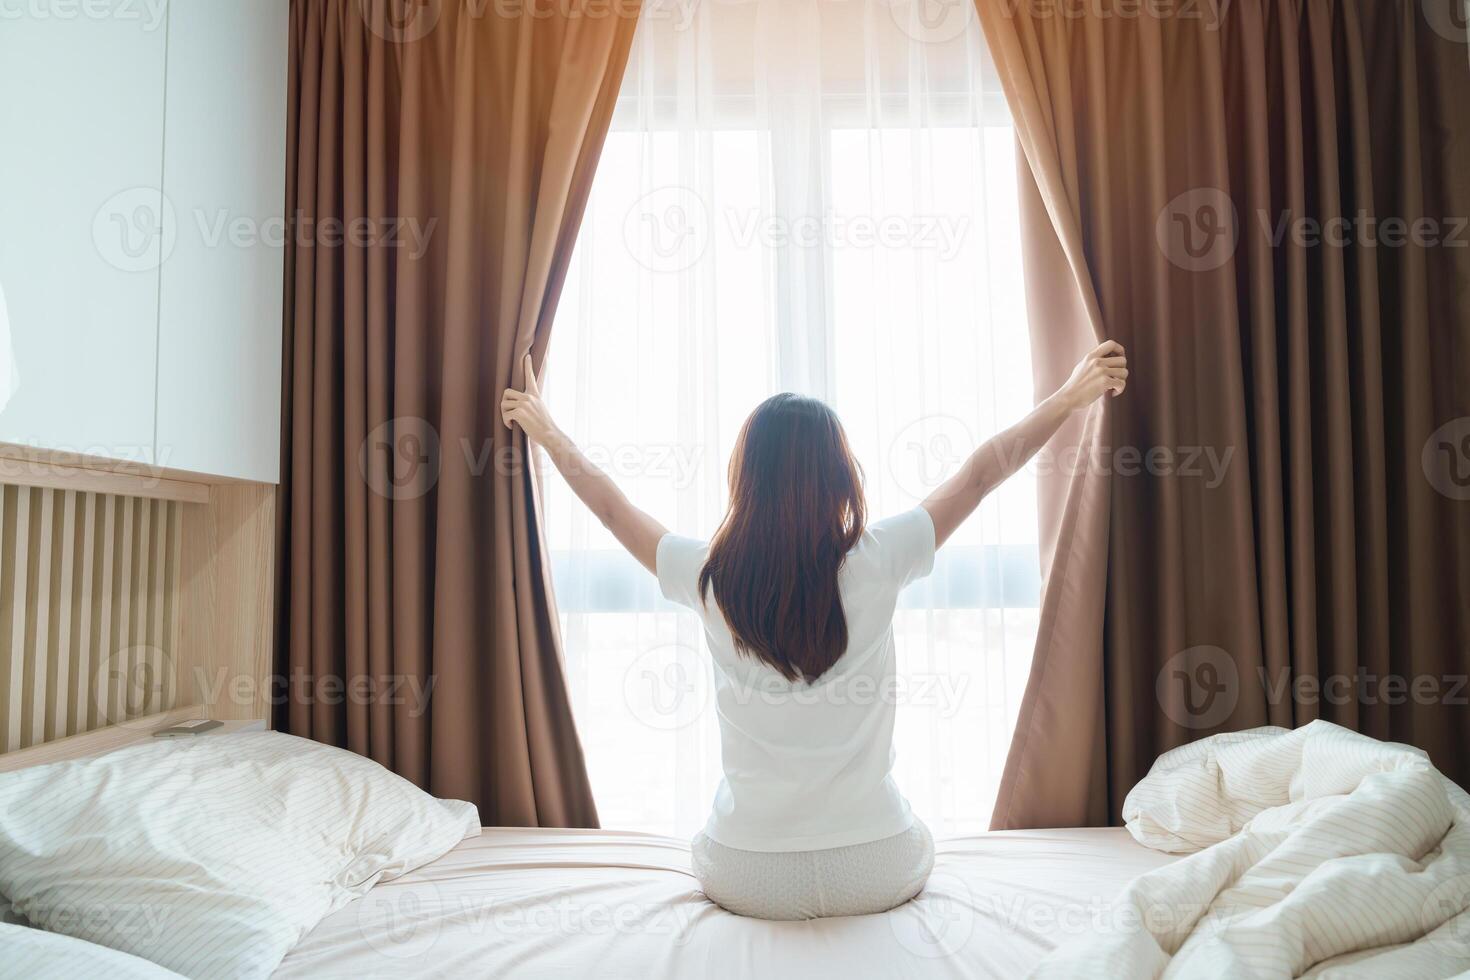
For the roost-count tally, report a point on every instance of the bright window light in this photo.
(859, 243)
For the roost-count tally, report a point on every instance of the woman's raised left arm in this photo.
(1103, 371)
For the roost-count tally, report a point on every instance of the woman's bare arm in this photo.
(1104, 369)
(633, 528)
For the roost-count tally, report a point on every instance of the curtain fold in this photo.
(440, 157)
(1062, 710)
(1264, 202)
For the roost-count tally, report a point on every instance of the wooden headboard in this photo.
(126, 591)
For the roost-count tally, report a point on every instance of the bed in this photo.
(541, 904)
(535, 903)
(1315, 852)
(549, 904)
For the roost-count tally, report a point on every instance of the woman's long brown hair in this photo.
(796, 510)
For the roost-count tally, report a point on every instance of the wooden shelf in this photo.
(27, 466)
(135, 731)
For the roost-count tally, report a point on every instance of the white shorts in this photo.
(861, 879)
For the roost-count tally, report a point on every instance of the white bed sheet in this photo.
(534, 904)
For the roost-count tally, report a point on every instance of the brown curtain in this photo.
(1265, 202)
(440, 157)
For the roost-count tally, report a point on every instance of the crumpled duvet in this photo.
(1317, 852)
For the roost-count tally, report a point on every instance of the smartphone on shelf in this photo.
(185, 728)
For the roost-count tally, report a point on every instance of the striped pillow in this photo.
(38, 955)
(211, 856)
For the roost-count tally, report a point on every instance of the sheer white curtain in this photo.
(817, 196)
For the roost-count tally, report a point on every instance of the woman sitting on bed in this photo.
(796, 594)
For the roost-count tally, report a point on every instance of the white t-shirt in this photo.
(807, 765)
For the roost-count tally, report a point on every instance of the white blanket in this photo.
(1317, 852)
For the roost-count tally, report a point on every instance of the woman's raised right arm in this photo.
(634, 529)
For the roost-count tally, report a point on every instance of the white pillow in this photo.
(211, 856)
(38, 955)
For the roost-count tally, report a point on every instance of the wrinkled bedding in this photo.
(1317, 852)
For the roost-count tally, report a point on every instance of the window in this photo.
(838, 218)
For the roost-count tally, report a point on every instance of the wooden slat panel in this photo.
(60, 692)
(140, 680)
(89, 611)
(41, 612)
(171, 599)
(7, 607)
(100, 680)
(21, 554)
(86, 616)
(158, 570)
(121, 646)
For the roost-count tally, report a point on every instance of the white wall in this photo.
(141, 195)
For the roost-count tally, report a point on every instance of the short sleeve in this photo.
(905, 545)
(679, 561)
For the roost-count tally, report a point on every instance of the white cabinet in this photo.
(142, 192)
(81, 153)
(219, 353)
